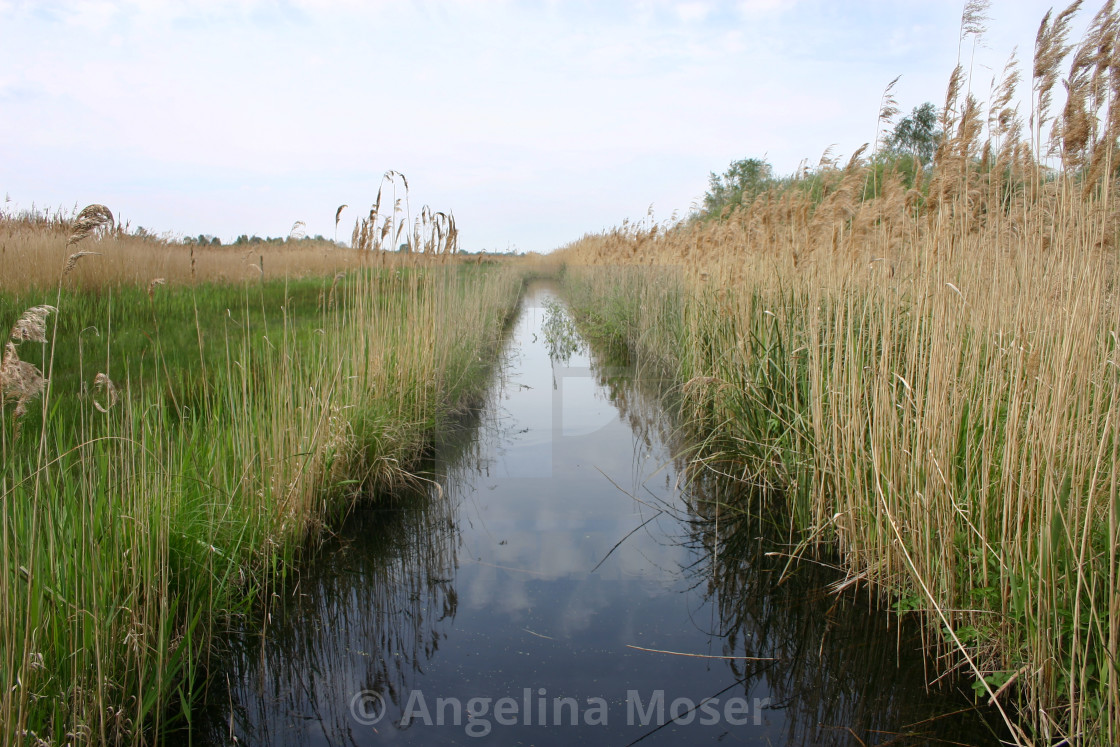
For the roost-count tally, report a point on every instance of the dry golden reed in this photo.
(32, 256)
(20, 381)
(948, 410)
(32, 325)
(103, 385)
(91, 219)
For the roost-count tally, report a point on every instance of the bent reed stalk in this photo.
(193, 438)
(927, 369)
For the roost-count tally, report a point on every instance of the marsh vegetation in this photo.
(909, 356)
(171, 443)
(922, 362)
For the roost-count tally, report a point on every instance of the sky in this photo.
(533, 122)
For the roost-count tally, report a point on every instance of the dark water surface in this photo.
(557, 585)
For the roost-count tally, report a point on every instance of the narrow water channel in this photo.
(556, 583)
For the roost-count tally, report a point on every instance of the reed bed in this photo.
(34, 251)
(923, 364)
(185, 440)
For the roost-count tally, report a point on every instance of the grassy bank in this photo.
(925, 368)
(191, 438)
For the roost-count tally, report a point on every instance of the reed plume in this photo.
(337, 218)
(975, 18)
(888, 110)
(72, 261)
(20, 381)
(32, 326)
(1050, 50)
(89, 220)
(103, 384)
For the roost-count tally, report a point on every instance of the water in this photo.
(557, 582)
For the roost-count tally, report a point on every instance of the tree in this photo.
(916, 135)
(742, 182)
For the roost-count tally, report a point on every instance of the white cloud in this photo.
(599, 108)
(693, 12)
(756, 7)
(90, 14)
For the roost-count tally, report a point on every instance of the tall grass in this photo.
(191, 439)
(34, 249)
(929, 373)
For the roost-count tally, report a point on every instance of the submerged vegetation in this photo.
(170, 442)
(921, 360)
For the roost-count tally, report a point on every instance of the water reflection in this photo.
(846, 669)
(843, 670)
(570, 569)
(560, 333)
(369, 616)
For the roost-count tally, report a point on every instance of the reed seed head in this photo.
(103, 384)
(92, 218)
(32, 326)
(19, 381)
(72, 261)
(975, 17)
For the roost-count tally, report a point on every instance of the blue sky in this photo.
(534, 122)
